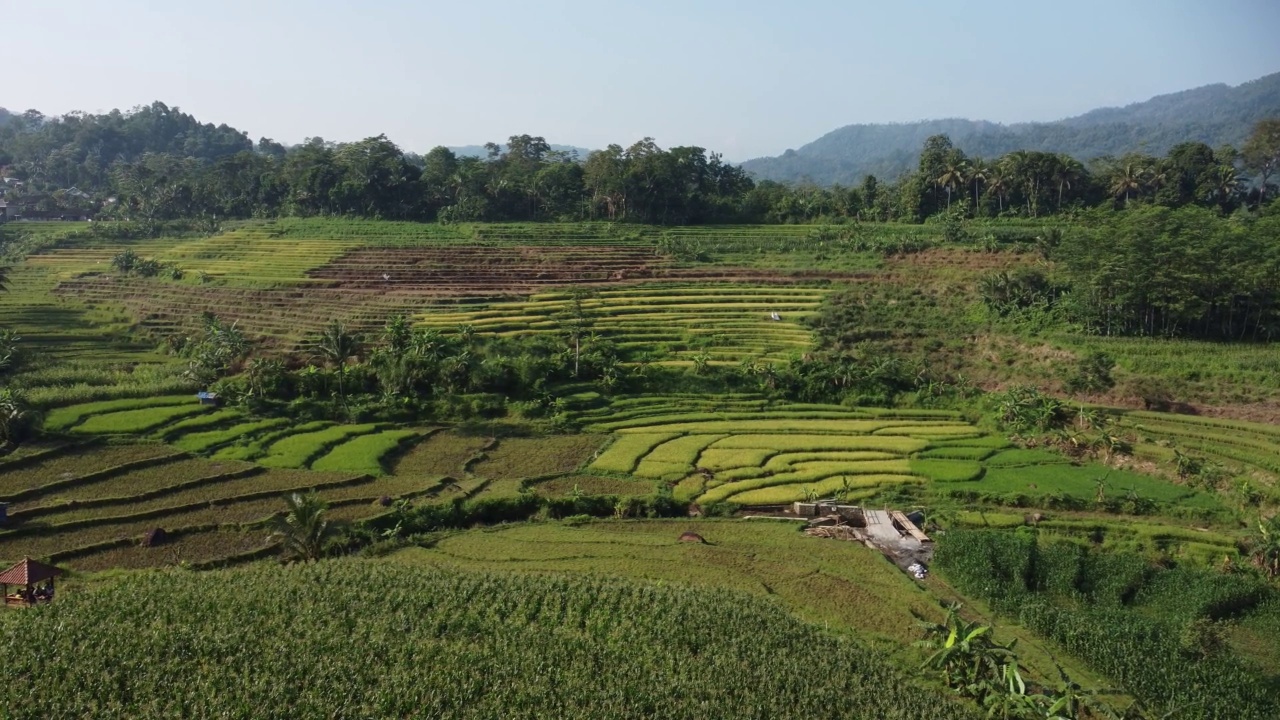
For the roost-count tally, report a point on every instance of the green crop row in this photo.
(625, 452)
(255, 446)
(863, 487)
(365, 453)
(815, 443)
(718, 459)
(299, 449)
(813, 472)
(947, 471)
(132, 422)
(217, 418)
(89, 465)
(682, 450)
(265, 662)
(65, 417)
(686, 417)
(205, 441)
(141, 481)
(957, 453)
(761, 426)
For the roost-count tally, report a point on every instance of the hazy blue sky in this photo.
(745, 77)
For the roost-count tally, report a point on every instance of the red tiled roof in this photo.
(28, 571)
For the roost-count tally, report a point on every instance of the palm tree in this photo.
(4, 278)
(998, 185)
(978, 172)
(1066, 171)
(952, 177)
(1126, 180)
(1226, 186)
(336, 346)
(303, 529)
(1156, 178)
(1018, 172)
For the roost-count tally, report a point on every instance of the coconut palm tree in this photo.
(336, 346)
(1018, 172)
(1156, 177)
(4, 278)
(1066, 171)
(303, 529)
(1226, 184)
(998, 185)
(952, 177)
(1126, 181)
(978, 172)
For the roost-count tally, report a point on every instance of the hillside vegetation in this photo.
(588, 387)
(1215, 115)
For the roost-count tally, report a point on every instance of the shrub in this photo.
(1092, 374)
(1151, 629)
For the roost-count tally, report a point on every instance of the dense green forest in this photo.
(1215, 115)
(156, 163)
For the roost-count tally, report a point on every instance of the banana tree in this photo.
(965, 653)
(1266, 546)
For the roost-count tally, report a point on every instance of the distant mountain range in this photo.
(1213, 114)
(480, 151)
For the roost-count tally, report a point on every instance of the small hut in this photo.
(34, 580)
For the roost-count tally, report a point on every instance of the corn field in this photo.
(358, 640)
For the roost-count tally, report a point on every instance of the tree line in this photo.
(1153, 271)
(157, 163)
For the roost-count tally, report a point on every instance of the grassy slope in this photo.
(841, 586)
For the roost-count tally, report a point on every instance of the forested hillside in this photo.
(156, 164)
(1214, 114)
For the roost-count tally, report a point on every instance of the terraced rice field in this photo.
(72, 463)
(366, 454)
(230, 435)
(93, 502)
(282, 280)
(441, 454)
(519, 458)
(750, 451)
(668, 324)
(1243, 447)
(778, 454)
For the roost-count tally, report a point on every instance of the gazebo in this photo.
(34, 578)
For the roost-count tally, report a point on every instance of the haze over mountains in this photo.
(1213, 114)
